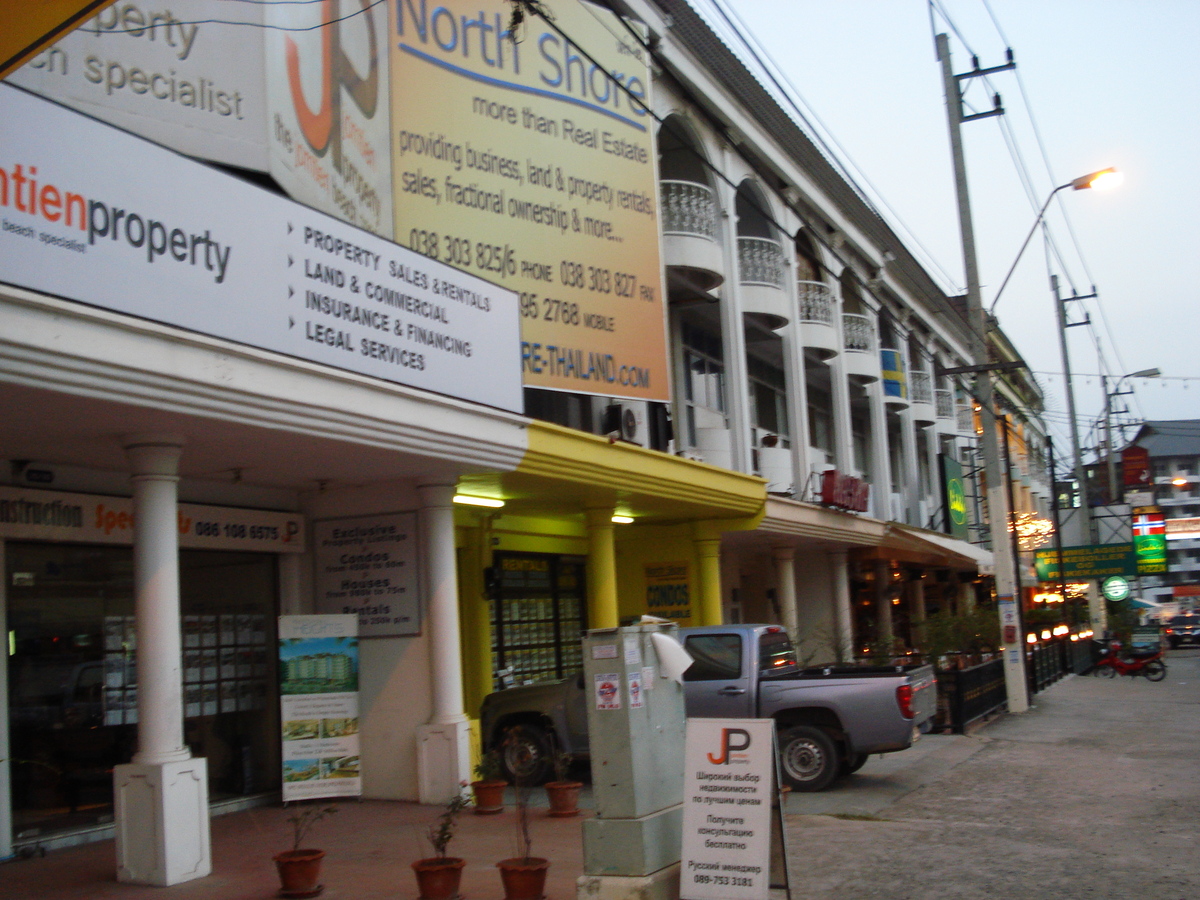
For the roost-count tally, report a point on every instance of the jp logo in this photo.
(323, 129)
(733, 742)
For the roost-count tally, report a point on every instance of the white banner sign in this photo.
(727, 797)
(95, 519)
(96, 215)
(367, 566)
(318, 699)
(188, 75)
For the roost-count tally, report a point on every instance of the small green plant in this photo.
(488, 767)
(303, 816)
(441, 833)
(562, 761)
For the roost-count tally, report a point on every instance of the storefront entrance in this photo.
(538, 615)
(73, 682)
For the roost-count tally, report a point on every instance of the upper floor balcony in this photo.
(947, 416)
(920, 390)
(691, 250)
(966, 420)
(818, 325)
(861, 361)
(761, 277)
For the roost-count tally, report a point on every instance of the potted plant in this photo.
(563, 791)
(488, 786)
(523, 876)
(438, 876)
(300, 867)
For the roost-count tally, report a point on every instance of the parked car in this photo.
(828, 719)
(1184, 629)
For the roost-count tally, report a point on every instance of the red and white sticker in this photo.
(608, 691)
(636, 700)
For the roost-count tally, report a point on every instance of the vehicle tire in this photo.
(1175, 644)
(1105, 671)
(526, 754)
(808, 757)
(1155, 670)
(852, 764)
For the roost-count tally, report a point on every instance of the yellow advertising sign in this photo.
(531, 162)
(668, 593)
(28, 27)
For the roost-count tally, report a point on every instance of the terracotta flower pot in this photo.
(489, 797)
(524, 878)
(563, 797)
(438, 877)
(300, 872)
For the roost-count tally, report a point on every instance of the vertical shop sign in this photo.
(327, 97)
(727, 800)
(1150, 540)
(318, 701)
(954, 498)
(530, 161)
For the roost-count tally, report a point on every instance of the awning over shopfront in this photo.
(931, 548)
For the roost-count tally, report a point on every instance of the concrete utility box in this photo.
(636, 723)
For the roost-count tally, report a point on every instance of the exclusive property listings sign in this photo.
(728, 792)
(367, 566)
(99, 216)
(532, 163)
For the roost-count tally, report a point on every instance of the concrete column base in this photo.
(443, 760)
(661, 885)
(162, 831)
(633, 847)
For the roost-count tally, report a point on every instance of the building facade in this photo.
(763, 429)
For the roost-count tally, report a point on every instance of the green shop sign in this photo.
(1086, 562)
(954, 498)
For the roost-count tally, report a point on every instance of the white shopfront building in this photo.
(196, 376)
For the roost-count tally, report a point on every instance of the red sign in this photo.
(1185, 590)
(844, 491)
(1135, 461)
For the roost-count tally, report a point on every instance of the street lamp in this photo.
(1112, 465)
(1100, 180)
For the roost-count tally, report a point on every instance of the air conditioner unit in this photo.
(620, 423)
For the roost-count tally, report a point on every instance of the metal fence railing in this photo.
(966, 695)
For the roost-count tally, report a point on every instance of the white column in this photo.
(785, 577)
(881, 464)
(912, 481)
(839, 397)
(443, 745)
(161, 798)
(5, 750)
(733, 333)
(838, 562)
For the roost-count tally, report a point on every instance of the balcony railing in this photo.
(966, 420)
(760, 261)
(945, 403)
(920, 386)
(689, 208)
(858, 333)
(816, 302)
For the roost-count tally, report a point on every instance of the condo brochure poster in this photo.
(529, 159)
(187, 74)
(99, 216)
(367, 566)
(328, 108)
(728, 795)
(318, 703)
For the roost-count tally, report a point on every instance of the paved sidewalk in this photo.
(1095, 793)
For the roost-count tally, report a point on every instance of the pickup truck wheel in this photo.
(810, 761)
(525, 754)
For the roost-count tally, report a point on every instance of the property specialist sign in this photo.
(530, 161)
(727, 796)
(99, 216)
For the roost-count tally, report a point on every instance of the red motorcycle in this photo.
(1148, 663)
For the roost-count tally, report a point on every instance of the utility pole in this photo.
(1088, 535)
(997, 505)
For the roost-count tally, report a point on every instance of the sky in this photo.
(1102, 83)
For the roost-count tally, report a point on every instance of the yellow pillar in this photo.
(475, 613)
(601, 569)
(707, 543)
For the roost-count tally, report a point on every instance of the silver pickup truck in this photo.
(828, 719)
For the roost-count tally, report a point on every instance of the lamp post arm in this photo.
(1036, 222)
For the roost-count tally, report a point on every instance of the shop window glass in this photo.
(73, 679)
(538, 618)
